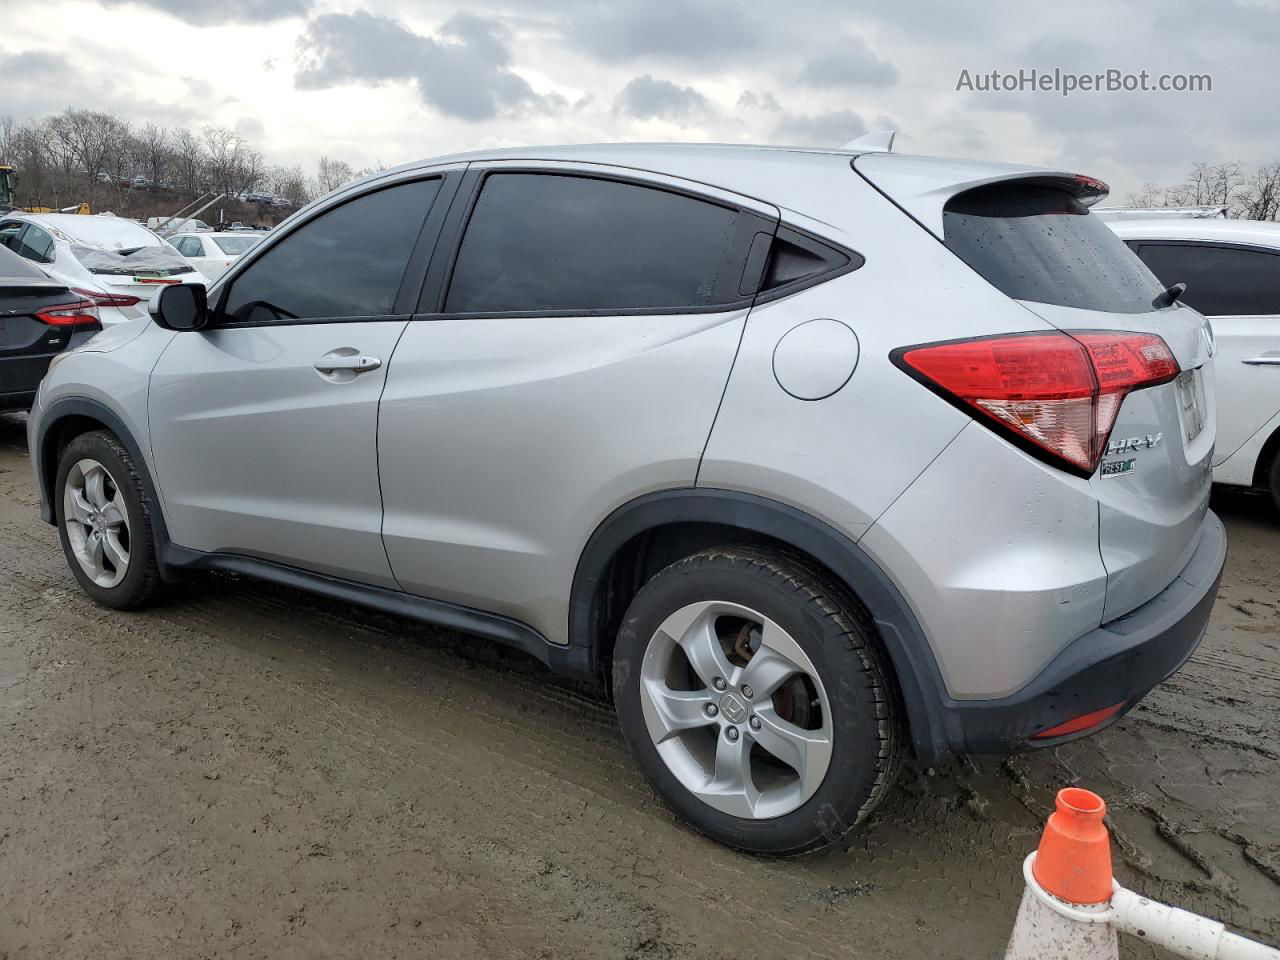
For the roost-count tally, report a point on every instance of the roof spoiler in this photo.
(877, 141)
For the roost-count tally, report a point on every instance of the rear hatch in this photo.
(1028, 232)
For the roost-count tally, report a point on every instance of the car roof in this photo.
(95, 228)
(782, 175)
(1199, 228)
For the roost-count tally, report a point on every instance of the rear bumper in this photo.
(1118, 663)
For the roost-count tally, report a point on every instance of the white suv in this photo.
(1232, 272)
(817, 459)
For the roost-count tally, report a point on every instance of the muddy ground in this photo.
(250, 772)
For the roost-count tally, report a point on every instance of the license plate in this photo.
(1190, 404)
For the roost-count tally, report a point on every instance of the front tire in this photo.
(755, 698)
(104, 522)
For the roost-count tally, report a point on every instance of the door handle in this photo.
(1267, 361)
(359, 363)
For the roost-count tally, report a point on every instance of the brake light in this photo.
(1055, 394)
(82, 314)
(155, 280)
(108, 299)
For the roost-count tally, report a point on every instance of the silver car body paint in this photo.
(503, 443)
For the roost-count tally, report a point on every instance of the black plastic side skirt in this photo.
(571, 661)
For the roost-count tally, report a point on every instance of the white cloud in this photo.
(392, 80)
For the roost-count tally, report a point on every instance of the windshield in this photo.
(1040, 243)
(149, 261)
(234, 246)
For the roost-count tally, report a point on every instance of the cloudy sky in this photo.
(384, 81)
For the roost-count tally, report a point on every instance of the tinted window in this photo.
(794, 258)
(546, 242)
(1221, 281)
(345, 263)
(36, 244)
(9, 233)
(1041, 244)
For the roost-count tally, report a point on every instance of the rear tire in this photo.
(782, 768)
(104, 522)
(1273, 476)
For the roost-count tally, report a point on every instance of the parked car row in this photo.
(116, 263)
(819, 459)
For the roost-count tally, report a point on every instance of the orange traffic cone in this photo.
(1072, 907)
(1074, 859)
(1066, 907)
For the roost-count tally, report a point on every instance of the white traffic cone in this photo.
(1072, 909)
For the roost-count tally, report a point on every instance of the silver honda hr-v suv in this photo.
(818, 459)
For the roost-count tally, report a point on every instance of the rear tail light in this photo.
(1054, 394)
(108, 299)
(82, 314)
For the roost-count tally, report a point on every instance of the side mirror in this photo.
(182, 306)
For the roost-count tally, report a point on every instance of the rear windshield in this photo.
(234, 246)
(1041, 244)
(150, 261)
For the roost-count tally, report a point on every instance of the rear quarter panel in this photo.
(846, 458)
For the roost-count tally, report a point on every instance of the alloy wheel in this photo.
(736, 710)
(97, 522)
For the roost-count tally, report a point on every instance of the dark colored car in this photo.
(39, 317)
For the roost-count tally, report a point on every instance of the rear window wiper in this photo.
(1169, 297)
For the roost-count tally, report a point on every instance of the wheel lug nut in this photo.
(718, 683)
(746, 691)
(732, 734)
(712, 709)
(755, 723)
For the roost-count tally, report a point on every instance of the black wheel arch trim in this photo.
(42, 449)
(918, 676)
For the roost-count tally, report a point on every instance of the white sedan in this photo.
(1232, 272)
(118, 264)
(213, 253)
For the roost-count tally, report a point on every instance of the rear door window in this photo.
(573, 244)
(1222, 281)
(347, 262)
(36, 244)
(1039, 243)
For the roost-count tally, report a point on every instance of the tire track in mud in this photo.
(251, 770)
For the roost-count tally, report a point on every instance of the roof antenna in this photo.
(877, 141)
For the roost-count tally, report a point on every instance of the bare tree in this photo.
(331, 174)
(188, 161)
(1259, 199)
(156, 153)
